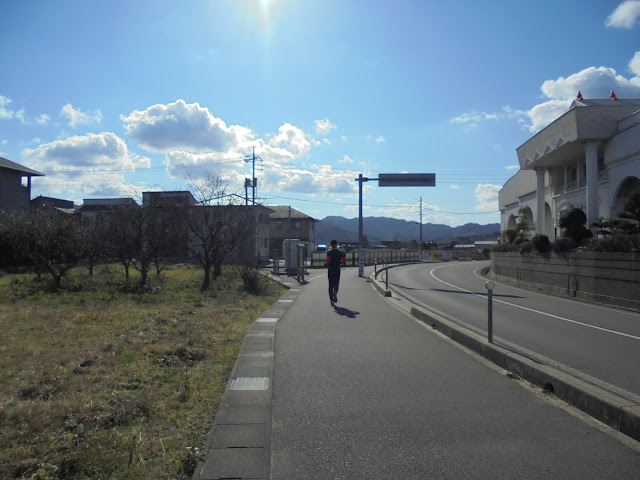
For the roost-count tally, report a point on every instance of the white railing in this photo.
(603, 176)
(573, 185)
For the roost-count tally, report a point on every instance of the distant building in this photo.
(15, 184)
(92, 206)
(41, 201)
(287, 222)
(588, 158)
(163, 199)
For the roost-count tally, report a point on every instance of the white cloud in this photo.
(487, 197)
(180, 126)
(316, 180)
(294, 139)
(380, 139)
(543, 114)
(634, 64)
(5, 113)
(592, 82)
(346, 159)
(77, 116)
(455, 187)
(511, 168)
(324, 126)
(42, 119)
(87, 165)
(625, 15)
(472, 119)
(182, 164)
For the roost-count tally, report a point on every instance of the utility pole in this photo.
(420, 245)
(254, 181)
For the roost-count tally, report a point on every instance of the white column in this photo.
(540, 200)
(591, 150)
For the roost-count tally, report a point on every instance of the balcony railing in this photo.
(603, 176)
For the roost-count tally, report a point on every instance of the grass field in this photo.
(100, 383)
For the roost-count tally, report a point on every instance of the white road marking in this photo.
(533, 310)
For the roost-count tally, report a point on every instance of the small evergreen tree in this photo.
(573, 222)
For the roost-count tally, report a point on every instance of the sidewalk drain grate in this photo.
(267, 320)
(250, 383)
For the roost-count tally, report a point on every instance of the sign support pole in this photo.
(391, 180)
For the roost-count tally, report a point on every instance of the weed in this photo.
(100, 382)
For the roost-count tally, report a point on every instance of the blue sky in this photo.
(113, 98)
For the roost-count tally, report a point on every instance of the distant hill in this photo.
(381, 229)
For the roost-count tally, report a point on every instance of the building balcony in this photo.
(603, 176)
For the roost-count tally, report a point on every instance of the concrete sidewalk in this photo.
(365, 391)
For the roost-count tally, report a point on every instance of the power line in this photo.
(376, 206)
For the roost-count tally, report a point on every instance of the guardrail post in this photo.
(489, 285)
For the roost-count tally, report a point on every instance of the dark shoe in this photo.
(335, 298)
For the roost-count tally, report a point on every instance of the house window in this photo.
(297, 225)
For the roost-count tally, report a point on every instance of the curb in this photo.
(616, 412)
(239, 442)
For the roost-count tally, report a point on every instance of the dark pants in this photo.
(334, 283)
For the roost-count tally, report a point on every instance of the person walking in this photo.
(335, 258)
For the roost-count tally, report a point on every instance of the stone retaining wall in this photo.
(612, 278)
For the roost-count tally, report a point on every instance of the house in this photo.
(258, 216)
(587, 158)
(162, 199)
(93, 206)
(287, 222)
(15, 184)
(64, 205)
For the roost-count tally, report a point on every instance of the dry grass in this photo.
(97, 383)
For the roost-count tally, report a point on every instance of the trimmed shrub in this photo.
(613, 244)
(564, 244)
(541, 243)
(526, 246)
(510, 234)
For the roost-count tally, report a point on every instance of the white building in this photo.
(587, 158)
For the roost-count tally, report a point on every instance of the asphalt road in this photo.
(364, 391)
(598, 344)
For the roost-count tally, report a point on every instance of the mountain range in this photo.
(384, 229)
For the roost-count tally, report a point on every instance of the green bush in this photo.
(613, 244)
(564, 245)
(541, 243)
(510, 234)
(526, 246)
(505, 247)
(253, 281)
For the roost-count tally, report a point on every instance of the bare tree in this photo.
(220, 228)
(92, 241)
(47, 237)
(121, 235)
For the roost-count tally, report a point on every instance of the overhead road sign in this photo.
(392, 180)
(407, 180)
